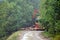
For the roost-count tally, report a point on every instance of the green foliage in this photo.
(15, 14)
(14, 36)
(50, 15)
(47, 34)
(57, 37)
(3, 38)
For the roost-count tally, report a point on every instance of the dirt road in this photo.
(32, 35)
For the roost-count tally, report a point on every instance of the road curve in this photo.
(32, 35)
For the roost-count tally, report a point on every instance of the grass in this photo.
(57, 37)
(51, 36)
(14, 36)
(46, 34)
(3, 38)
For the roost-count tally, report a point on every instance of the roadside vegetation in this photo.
(15, 14)
(14, 36)
(50, 18)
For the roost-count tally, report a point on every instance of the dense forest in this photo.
(50, 16)
(15, 14)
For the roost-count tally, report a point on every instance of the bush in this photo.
(13, 36)
(47, 34)
(57, 37)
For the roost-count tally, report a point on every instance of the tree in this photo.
(49, 9)
(14, 14)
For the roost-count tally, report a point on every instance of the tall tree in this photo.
(49, 9)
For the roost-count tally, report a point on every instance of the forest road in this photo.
(32, 35)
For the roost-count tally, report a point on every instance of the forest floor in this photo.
(32, 35)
